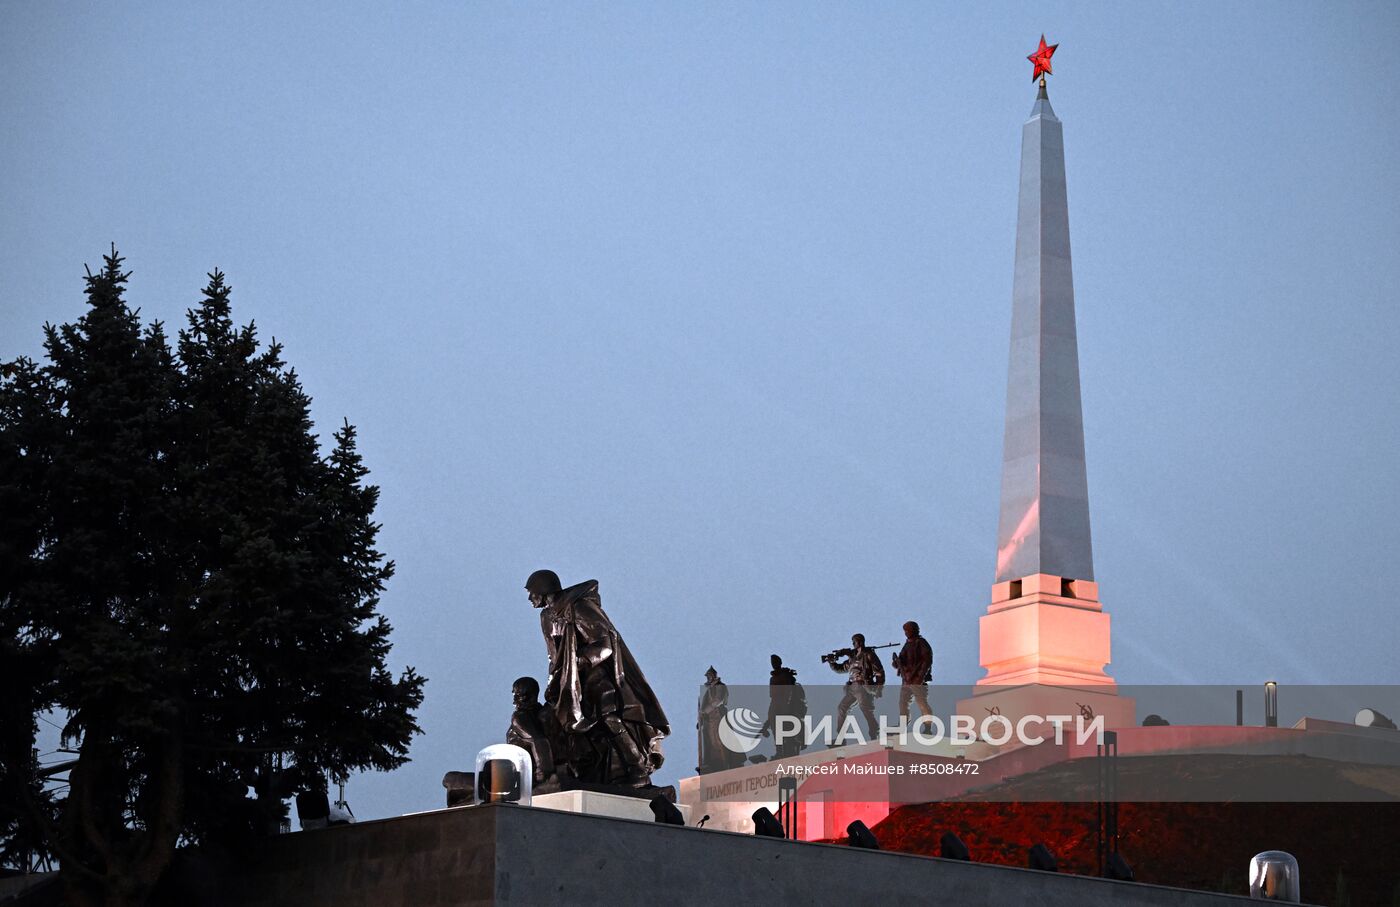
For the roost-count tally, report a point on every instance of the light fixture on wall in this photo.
(1273, 876)
(1373, 718)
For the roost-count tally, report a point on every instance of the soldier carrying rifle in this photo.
(866, 678)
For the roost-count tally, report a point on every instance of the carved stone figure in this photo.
(610, 722)
(532, 728)
(786, 698)
(714, 705)
(867, 677)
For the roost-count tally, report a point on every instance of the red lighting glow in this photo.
(1030, 522)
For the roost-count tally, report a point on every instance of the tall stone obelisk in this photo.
(1044, 492)
(1045, 626)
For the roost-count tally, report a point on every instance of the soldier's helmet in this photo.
(543, 582)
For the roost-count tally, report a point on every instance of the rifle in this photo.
(847, 652)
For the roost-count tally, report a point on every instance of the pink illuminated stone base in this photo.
(1045, 644)
(1044, 629)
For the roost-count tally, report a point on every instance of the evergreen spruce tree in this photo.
(199, 587)
(26, 810)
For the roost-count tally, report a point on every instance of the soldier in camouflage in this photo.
(866, 677)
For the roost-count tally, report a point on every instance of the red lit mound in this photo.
(1345, 850)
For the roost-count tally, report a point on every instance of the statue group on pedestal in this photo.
(600, 722)
(913, 663)
(786, 699)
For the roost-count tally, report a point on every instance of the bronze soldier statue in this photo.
(610, 722)
(532, 729)
(914, 663)
(786, 698)
(867, 676)
(714, 704)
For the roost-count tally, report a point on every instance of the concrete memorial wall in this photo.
(506, 854)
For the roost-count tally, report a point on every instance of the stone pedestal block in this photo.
(1045, 644)
(596, 803)
(1045, 635)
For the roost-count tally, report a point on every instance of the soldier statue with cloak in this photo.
(609, 720)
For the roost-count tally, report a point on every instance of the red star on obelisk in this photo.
(1041, 59)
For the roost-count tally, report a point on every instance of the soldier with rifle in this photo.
(866, 679)
(914, 664)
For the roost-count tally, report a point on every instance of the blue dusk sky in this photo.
(711, 302)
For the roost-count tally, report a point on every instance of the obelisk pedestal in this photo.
(1044, 645)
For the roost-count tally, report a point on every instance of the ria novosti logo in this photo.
(740, 730)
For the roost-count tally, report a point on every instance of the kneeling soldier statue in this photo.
(532, 728)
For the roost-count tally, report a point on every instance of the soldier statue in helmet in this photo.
(609, 720)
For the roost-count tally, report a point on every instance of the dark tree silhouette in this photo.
(191, 582)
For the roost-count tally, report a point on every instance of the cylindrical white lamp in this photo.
(504, 774)
(1273, 876)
